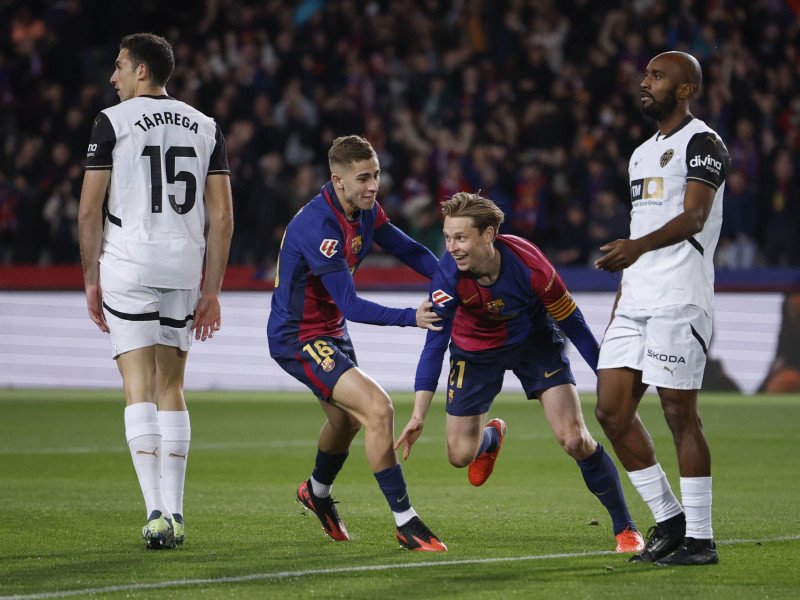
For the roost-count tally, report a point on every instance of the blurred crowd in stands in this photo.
(533, 102)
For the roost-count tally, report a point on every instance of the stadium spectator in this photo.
(549, 77)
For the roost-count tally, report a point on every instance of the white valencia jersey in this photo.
(659, 170)
(159, 151)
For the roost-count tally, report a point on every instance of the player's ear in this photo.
(685, 91)
(336, 180)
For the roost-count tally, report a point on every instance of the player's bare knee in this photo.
(460, 455)
(381, 414)
(577, 445)
(460, 459)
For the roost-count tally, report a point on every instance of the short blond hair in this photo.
(482, 211)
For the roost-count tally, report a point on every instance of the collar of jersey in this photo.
(328, 193)
(680, 126)
(162, 97)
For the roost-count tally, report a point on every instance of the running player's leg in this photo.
(473, 384)
(362, 398)
(563, 411)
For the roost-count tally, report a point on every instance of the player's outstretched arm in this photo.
(412, 431)
(90, 236)
(410, 251)
(208, 313)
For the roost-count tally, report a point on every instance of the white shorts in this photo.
(669, 345)
(141, 316)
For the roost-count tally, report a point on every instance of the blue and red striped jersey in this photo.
(320, 243)
(513, 309)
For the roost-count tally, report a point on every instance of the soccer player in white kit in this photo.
(660, 328)
(156, 171)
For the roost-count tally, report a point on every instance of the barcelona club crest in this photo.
(355, 245)
(666, 157)
(495, 306)
(328, 364)
(449, 396)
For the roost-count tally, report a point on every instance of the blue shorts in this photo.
(319, 363)
(477, 377)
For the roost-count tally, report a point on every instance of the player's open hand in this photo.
(426, 318)
(207, 317)
(94, 301)
(410, 435)
(621, 255)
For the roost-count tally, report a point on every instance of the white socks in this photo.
(176, 433)
(401, 518)
(159, 445)
(653, 487)
(696, 496)
(144, 441)
(320, 490)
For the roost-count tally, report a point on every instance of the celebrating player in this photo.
(314, 295)
(162, 164)
(661, 324)
(500, 298)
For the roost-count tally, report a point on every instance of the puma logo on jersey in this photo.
(183, 456)
(153, 452)
(328, 247)
(440, 297)
(671, 371)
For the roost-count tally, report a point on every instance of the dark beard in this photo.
(660, 110)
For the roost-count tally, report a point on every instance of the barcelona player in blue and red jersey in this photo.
(314, 296)
(500, 300)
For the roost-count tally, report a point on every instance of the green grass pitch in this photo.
(71, 511)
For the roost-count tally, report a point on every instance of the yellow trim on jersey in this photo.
(561, 308)
(710, 184)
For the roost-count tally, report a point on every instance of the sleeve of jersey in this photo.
(343, 291)
(707, 160)
(218, 165)
(576, 329)
(559, 303)
(411, 252)
(429, 366)
(101, 144)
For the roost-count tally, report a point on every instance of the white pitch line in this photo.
(288, 574)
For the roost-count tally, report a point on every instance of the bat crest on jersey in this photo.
(440, 297)
(495, 306)
(328, 247)
(666, 157)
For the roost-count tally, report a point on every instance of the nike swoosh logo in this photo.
(549, 375)
(470, 299)
(399, 500)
